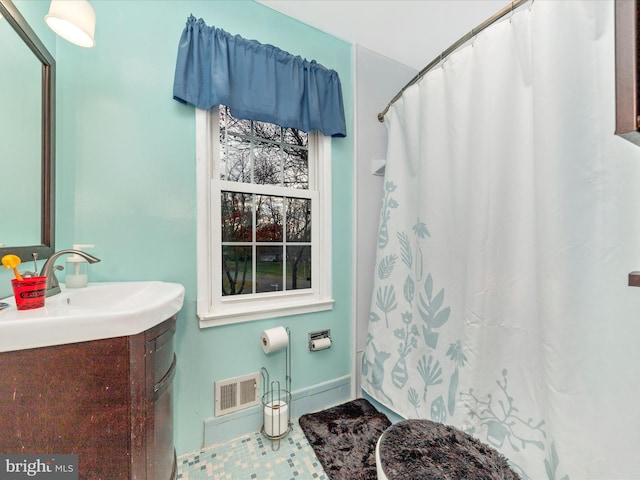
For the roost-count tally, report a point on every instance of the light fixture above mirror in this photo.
(73, 20)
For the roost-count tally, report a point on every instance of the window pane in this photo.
(236, 217)
(268, 269)
(269, 221)
(298, 220)
(236, 270)
(267, 164)
(237, 160)
(267, 131)
(296, 168)
(293, 136)
(229, 123)
(262, 153)
(298, 267)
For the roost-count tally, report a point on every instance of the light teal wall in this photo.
(126, 183)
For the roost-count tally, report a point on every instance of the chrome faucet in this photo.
(49, 268)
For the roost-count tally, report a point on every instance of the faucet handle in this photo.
(35, 261)
(52, 280)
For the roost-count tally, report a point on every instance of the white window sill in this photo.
(230, 314)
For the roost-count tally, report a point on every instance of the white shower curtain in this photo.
(489, 310)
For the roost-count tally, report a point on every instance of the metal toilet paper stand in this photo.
(276, 403)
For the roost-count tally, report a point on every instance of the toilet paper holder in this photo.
(276, 410)
(319, 340)
(276, 400)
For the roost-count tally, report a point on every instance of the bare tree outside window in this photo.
(266, 239)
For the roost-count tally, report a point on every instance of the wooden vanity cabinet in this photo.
(108, 401)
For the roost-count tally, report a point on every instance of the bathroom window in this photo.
(263, 222)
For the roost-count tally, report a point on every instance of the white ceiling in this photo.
(412, 32)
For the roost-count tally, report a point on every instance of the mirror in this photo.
(27, 139)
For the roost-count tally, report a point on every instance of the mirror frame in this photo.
(47, 224)
(627, 40)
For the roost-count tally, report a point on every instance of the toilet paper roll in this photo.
(274, 339)
(321, 344)
(276, 418)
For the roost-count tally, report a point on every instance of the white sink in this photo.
(99, 310)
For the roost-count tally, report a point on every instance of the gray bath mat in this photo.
(344, 439)
(422, 449)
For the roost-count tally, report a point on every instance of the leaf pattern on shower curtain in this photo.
(421, 231)
(432, 313)
(385, 269)
(405, 249)
(421, 301)
(376, 368)
(408, 334)
(414, 399)
(409, 289)
(388, 202)
(386, 301)
(431, 373)
(551, 464)
(456, 354)
(501, 424)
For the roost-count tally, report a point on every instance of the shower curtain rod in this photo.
(475, 31)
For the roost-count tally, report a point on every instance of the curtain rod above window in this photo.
(464, 39)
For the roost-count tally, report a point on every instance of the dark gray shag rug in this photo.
(344, 439)
(421, 449)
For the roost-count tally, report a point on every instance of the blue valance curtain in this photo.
(257, 81)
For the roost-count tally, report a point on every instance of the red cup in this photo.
(29, 292)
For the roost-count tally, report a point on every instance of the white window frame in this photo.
(212, 308)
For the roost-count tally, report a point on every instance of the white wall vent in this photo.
(236, 393)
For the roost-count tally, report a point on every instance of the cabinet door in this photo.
(164, 452)
(69, 399)
(161, 367)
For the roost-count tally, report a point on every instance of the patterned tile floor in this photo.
(252, 458)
